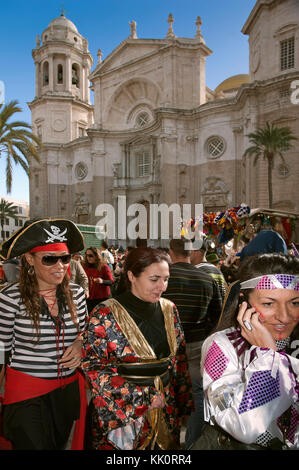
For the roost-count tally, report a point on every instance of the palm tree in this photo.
(17, 142)
(269, 142)
(7, 209)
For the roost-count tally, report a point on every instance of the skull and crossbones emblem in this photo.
(56, 234)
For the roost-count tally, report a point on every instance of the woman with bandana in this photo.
(250, 364)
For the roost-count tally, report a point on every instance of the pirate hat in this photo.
(43, 232)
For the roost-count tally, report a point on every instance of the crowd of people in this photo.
(147, 348)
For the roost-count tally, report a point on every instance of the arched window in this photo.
(46, 73)
(75, 75)
(59, 73)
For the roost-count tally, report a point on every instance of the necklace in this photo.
(50, 299)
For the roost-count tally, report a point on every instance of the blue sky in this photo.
(105, 24)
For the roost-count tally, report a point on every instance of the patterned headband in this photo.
(272, 281)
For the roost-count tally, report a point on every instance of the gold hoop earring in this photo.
(31, 271)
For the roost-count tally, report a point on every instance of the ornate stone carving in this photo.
(214, 193)
(59, 125)
(81, 204)
(170, 21)
(198, 32)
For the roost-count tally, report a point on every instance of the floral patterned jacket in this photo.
(111, 340)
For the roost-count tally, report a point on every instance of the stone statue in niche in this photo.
(182, 169)
(115, 170)
(183, 192)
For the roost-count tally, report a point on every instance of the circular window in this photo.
(142, 119)
(81, 171)
(283, 170)
(215, 147)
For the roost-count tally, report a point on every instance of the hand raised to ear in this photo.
(252, 329)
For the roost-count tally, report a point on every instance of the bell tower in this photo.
(61, 113)
(61, 109)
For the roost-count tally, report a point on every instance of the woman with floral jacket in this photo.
(134, 358)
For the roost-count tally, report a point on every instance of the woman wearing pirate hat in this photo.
(250, 364)
(41, 320)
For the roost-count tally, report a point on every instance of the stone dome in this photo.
(64, 22)
(232, 83)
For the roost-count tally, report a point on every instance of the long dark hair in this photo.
(29, 292)
(251, 267)
(98, 264)
(137, 261)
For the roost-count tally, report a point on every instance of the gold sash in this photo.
(159, 431)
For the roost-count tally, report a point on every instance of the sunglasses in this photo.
(89, 256)
(50, 260)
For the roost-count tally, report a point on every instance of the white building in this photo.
(156, 132)
(12, 225)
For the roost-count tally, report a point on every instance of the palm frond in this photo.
(17, 142)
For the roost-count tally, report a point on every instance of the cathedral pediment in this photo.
(128, 52)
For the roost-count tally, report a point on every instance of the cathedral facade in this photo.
(156, 134)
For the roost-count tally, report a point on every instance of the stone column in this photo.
(86, 98)
(68, 73)
(37, 78)
(82, 81)
(85, 83)
(51, 72)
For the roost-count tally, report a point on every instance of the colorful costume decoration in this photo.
(249, 389)
(125, 375)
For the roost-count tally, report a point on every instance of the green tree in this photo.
(7, 209)
(17, 142)
(269, 142)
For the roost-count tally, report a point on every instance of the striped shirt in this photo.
(196, 296)
(216, 274)
(18, 335)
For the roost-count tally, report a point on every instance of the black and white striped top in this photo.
(18, 335)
